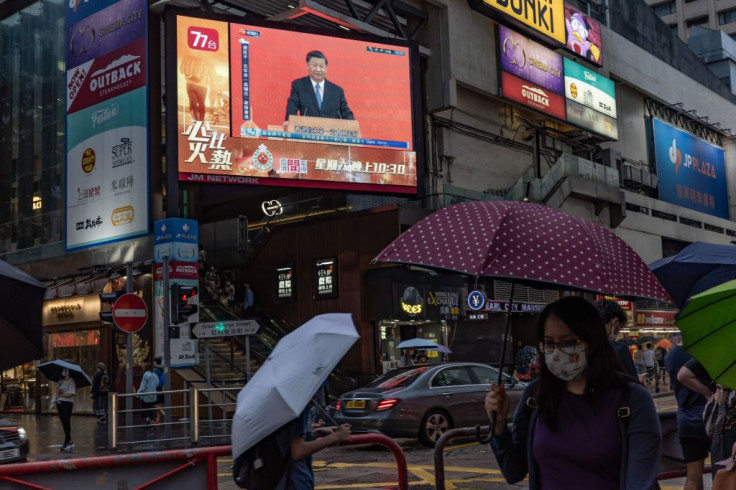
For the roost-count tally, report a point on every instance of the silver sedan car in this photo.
(424, 401)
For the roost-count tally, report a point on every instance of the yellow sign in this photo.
(544, 16)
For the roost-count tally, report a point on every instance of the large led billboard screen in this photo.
(248, 110)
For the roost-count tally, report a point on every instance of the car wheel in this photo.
(434, 425)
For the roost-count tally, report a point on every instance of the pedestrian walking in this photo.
(147, 393)
(248, 300)
(650, 366)
(65, 392)
(583, 424)
(640, 363)
(158, 368)
(614, 318)
(691, 385)
(719, 416)
(406, 358)
(99, 391)
(298, 438)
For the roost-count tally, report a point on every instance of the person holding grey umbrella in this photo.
(65, 391)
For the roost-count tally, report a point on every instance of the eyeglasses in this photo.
(565, 346)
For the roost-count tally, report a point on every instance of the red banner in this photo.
(532, 95)
(655, 318)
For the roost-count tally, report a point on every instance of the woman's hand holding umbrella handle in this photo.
(497, 407)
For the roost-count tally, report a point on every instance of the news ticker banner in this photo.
(178, 239)
(691, 172)
(238, 133)
(107, 122)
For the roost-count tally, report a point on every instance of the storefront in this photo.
(406, 304)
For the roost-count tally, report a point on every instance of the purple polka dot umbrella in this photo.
(528, 243)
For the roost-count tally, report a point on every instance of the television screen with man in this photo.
(270, 106)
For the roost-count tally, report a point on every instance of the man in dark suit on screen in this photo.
(314, 96)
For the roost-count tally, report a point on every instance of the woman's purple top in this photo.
(586, 450)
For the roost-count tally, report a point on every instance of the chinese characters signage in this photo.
(325, 278)
(691, 172)
(285, 284)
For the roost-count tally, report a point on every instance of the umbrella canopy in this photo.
(526, 242)
(708, 326)
(20, 316)
(443, 349)
(646, 338)
(697, 267)
(664, 343)
(418, 343)
(52, 370)
(289, 378)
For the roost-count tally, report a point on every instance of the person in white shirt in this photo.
(649, 363)
(65, 392)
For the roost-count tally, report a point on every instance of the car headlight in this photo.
(22, 435)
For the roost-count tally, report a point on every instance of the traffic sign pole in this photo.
(129, 355)
(167, 350)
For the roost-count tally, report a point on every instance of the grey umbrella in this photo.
(21, 302)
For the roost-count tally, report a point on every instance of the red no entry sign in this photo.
(130, 313)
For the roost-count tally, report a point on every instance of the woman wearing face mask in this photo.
(582, 424)
(65, 392)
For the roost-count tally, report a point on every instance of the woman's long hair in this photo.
(603, 371)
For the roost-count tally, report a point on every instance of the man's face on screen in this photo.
(317, 69)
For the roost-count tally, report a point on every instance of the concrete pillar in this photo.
(729, 145)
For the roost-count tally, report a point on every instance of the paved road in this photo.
(467, 465)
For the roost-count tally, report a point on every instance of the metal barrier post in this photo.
(112, 421)
(194, 416)
(439, 456)
(392, 445)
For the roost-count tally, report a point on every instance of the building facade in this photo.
(481, 141)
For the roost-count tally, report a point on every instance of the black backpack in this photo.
(262, 466)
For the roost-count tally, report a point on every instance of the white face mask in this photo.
(567, 366)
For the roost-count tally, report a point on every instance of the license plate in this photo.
(356, 404)
(9, 454)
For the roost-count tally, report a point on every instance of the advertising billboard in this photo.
(587, 118)
(583, 36)
(691, 172)
(530, 73)
(248, 111)
(545, 17)
(106, 121)
(589, 88)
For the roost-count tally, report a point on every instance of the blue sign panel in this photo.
(476, 300)
(691, 172)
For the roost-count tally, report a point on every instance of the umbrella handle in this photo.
(486, 439)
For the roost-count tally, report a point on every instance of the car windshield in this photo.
(398, 379)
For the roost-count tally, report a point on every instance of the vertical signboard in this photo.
(691, 172)
(324, 278)
(179, 240)
(106, 121)
(530, 73)
(591, 99)
(285, 284)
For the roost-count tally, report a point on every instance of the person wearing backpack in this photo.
(283, 460)
(99, 391)
(583, 424)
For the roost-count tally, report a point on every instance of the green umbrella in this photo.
(708, 326)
